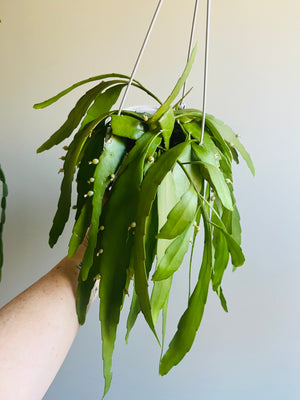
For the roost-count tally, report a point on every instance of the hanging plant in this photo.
(164, 180)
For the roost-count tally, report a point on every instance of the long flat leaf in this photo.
(116, 241)
(64, 202)
(217, 179)
(166, 125)
(191, 319)
(236, 225)
(91, 150)
(173, 256)
(73, 119)
(166, 199)
(152, 180)
(167, 104)
(236, 253)
(191, 121)
(181, 215)
(150, 249)
(108, 163)
(237, 256)
(232, 138)
(84, 290)
(80, 228)
(53, 99)
(126, 126)
(221, 258)
(104, 101)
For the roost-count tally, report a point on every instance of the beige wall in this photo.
(254, 86)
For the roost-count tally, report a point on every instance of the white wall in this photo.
(253, 352)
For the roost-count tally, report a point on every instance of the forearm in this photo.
(37, 329)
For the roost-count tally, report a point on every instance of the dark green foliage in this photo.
(144, 186)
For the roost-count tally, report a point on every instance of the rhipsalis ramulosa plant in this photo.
(164, 181)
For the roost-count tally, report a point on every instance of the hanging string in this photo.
(140, 55)
(182, 105)
(205, 69)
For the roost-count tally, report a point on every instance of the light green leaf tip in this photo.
(167, 104)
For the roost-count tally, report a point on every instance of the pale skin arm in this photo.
(37, 329)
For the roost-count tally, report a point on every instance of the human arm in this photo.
(37, 329)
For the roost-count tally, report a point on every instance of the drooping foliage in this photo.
(161, 184)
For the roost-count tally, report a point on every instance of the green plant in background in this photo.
(2, 215)
(164, 180)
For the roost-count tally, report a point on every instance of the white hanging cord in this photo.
(182, 105)
(140, 55)
(205, 69)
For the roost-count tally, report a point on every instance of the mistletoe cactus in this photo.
(163, 180)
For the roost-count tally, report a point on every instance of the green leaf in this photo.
(232, 138)
(164, 324)
(167, 104)
(53, 99)
(104, 101)
(237, 256)
(83, 292)
(125, 126)
(191, 121)
(109, 161)
(166, 125)
(186, 115)
(91, 150)
(193, 169)
(74, 118)
(236, 226)
(215, 176)
(191, 319)
(222, 299)
(174, 256)
(221, 256)
(181, 216)
(166, 199)
(132, 316)
(196, 230)
(116, 240)
(150, 250)
(2, 216)
(192, 127)
(152, 180)
(236, 253)
(80, 228)
(147, 142)
(64, 202)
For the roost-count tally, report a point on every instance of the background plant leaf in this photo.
(2, 216)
